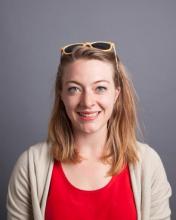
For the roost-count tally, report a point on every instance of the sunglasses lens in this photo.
(70, 48)
(101, 45)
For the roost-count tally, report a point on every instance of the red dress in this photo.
(113, 201)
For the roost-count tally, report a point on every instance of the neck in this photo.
(91, 146)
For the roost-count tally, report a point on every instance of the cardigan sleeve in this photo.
(18, 197)
(160, 192)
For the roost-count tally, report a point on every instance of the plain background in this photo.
(32, 33)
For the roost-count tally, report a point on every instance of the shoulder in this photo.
(150, 163)
(151, 177)
(29, 175)
(32, 164)
(40, 151)
(34, 155)
(36, 152)
(147, 153)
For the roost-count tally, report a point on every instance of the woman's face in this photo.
(89, 94)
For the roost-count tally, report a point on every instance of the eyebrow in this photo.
(98, 81)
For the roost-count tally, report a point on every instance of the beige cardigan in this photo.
(30, 180)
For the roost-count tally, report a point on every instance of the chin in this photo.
(90, 129)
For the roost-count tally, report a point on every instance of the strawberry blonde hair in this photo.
(121, 140)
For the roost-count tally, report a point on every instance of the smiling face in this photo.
(89, 94)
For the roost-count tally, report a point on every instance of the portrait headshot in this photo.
(88, 110)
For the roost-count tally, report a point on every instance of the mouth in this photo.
(88, 115)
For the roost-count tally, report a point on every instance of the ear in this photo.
(117, 92)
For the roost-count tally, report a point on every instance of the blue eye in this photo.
(73, 89)
(101, 89)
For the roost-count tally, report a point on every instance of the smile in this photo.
(88, 115)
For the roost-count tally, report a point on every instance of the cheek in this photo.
(69, 110)
(107, 102)
(70, 105)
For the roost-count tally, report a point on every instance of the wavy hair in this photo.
(120, 148)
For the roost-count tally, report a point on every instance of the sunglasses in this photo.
(101, 45)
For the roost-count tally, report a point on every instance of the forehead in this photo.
(88, 70)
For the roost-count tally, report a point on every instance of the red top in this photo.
(113, 201)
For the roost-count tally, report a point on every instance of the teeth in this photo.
(89, 114)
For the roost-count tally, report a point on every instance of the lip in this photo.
(88, 112)
(88, 115)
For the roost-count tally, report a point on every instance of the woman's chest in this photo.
(66, 200)
(87, 176)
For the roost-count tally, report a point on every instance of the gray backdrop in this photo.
(31, 34)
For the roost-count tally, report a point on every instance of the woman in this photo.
(92, 166)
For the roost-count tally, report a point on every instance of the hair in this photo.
(120, 148)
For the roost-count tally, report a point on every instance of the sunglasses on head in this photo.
(101, 45)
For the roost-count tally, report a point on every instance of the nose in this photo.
(87, 100)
